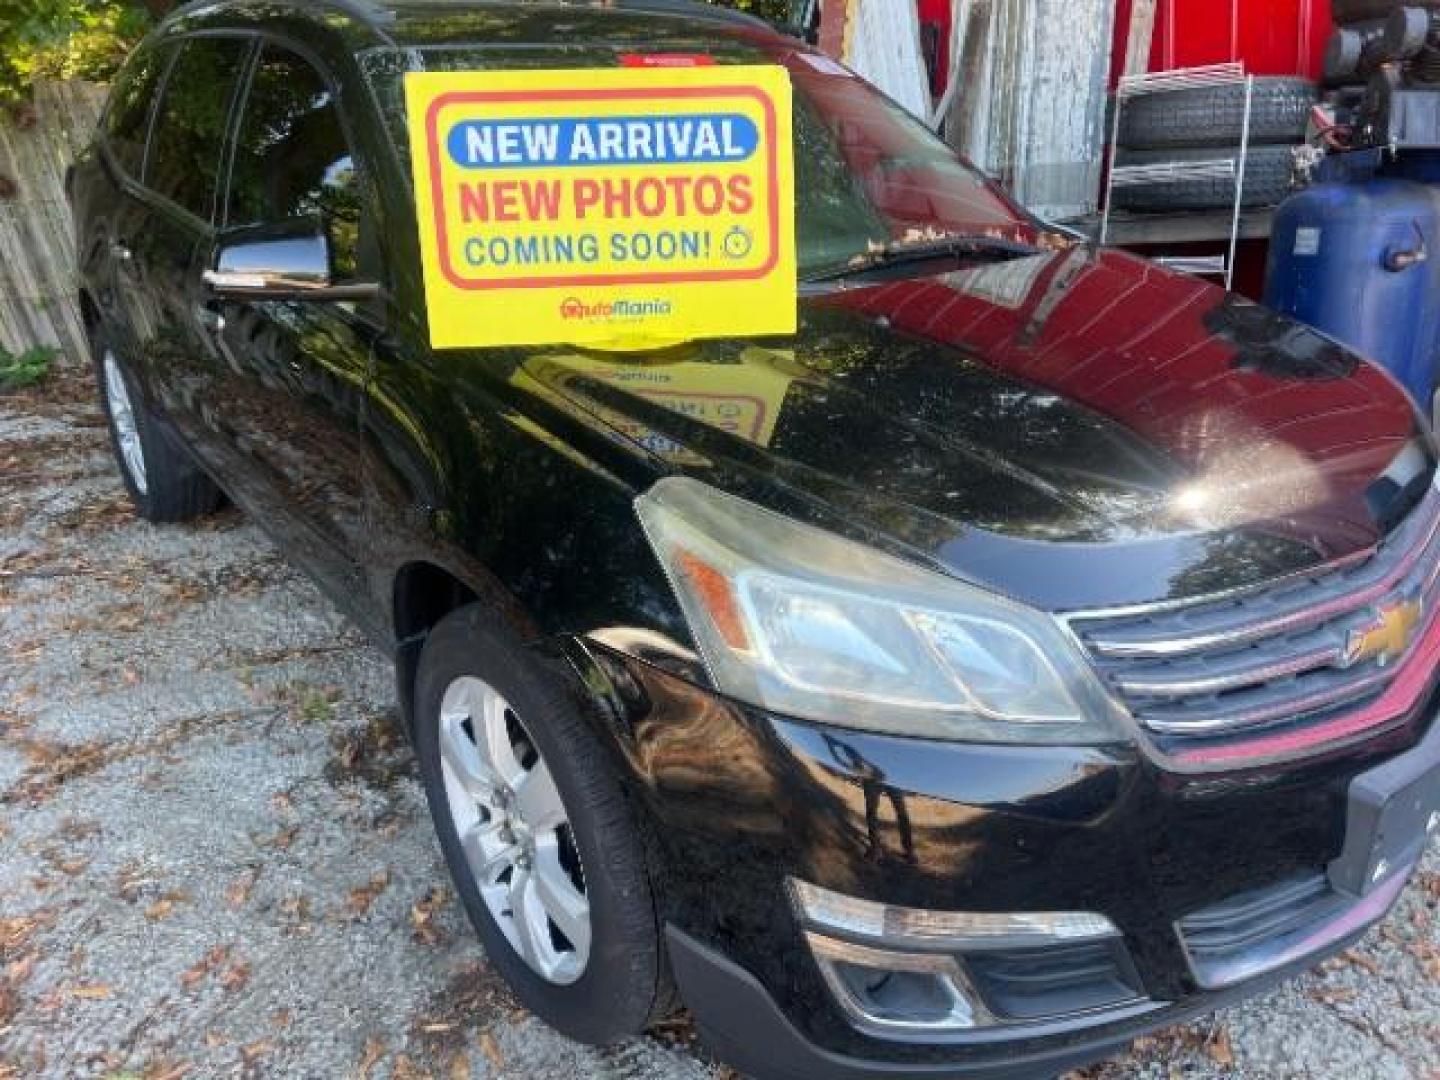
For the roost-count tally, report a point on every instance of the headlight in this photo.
(805, 623)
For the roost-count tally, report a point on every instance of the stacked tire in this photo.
(1206, 123)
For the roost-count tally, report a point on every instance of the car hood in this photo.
(1076, 429)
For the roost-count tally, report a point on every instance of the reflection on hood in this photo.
(1266, 420)
(1070, 398)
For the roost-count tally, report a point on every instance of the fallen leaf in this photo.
(165, 906)
(422, 916)
(92, 991)
(132, 881)
(491, 1049)
(75, 830)
(1430, 884)
(258, 1049)
(282, 840)
(374, 1051)
(235, 977)
(16, 931)
(460, 1066)
(361, 898)
(204, 966)
(1219, 1048)
(1359, 959)
(238, 891)
(297, 909)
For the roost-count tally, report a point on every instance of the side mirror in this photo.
(287, 262)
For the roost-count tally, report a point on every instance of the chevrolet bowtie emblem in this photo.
(1386, 636)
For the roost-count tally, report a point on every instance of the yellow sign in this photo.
(617, 208)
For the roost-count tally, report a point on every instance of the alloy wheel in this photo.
(514, 830)
(122, 414)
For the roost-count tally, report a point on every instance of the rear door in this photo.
(108, 213)
(167, 226)
(292, 373)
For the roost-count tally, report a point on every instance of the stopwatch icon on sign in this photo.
(738, 243)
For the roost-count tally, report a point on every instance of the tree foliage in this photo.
(87, 39)
(777, 11)
(64, 39)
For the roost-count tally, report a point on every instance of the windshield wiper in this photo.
(967, 247)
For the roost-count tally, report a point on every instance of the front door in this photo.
(291, 374)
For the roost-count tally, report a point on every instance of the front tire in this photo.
(537, 833)
(163, 480)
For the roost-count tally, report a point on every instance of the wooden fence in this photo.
(37, 247)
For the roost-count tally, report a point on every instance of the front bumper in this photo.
(740, 802)
(741, 1023)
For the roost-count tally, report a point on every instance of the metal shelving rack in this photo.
(1169, 172)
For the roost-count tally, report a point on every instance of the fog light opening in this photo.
(897, 991)
(905, 997)
(897, 970)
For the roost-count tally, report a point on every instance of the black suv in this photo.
(1035, 648)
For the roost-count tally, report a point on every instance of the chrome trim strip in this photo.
(1245, 719)
(894, 926)
(1171, 671)
(1329, 656)
(1424, 520)
(1294, 707)
(1287, 622)
(1224, 596)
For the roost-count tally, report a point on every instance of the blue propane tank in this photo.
(1361, 262)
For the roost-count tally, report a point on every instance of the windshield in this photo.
(866, 172)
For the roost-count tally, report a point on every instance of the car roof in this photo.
(421, 23)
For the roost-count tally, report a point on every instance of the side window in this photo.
(292, 160)
(127, 115)
(188, 136)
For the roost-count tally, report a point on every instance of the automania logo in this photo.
(576, 310)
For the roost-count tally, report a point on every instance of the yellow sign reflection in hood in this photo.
(743, 397)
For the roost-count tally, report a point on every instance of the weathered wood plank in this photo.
(37, 247)
(1031, 108)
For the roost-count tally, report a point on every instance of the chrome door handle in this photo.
(120, 251)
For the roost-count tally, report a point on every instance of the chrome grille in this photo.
(1271, 655)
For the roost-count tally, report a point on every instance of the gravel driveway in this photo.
(215, 858)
